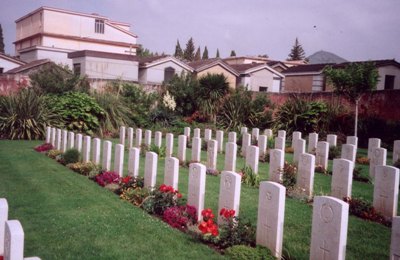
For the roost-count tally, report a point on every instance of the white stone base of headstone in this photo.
(171, 172)
(119, 160)
(150, 170)
(229, 193)
(197, 187)
(230, 157)
(133, 162)
(106, 162)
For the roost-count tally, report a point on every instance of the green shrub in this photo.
(334, 152)
(249, 177)
(136, 196)
(397, 164)
(53, 154)
(242, 252)
(158, 150)
(289, 173)
(236, 231)
(79, 111)
(71, 156)
(85, 168)
(24, 115)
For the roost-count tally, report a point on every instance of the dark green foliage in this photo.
(372, 127)
(261, 112)
(236, 231)
(159, 150)
(298, 114)
(334, 152)
(289, 173)
(205, 54)
(24, 115)
(242, 252)
(79, 111)
(143, 52)
(397, 164)
(71, 156)
(1, 40)
(178, 50)
(217, 55)
(249, 177)
(54, 79)
(197, 56)
(210, 94)
(233, 53)
(297, 52)
(188, 54)
(182, 88)
(363, 209)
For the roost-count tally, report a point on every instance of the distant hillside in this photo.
(324, 57)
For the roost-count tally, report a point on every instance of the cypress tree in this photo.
(1, 40)
(217, 56)
(297, 52)
(188, 54)
(178, 50)
(205, 54)
(197, 56)
(233, 53)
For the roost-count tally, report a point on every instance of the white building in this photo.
(8, 63)
(52, 33)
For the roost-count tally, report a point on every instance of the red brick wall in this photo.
(12, 83)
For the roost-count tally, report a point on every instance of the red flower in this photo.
(179, 195)
(222, 211)
(126, 179)
(231, 212)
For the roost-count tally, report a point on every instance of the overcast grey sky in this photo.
(354, 30)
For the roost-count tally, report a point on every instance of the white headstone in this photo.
(276, 162)
(186, 131)
(229, 193)
(96, 150)
(158, 138)
(171, 172)
(150, 170)
(58, 139)
(122, 135)
(232, 137)
(197, 187)
(352, 140)
(230, 157)
(138, 137)
(48, 134)
(282, 133)
(13, 240)
(246, 142)
(252, 157)
(329, 228)
(299, 148)
(147, 138)
(169, 144)
(321, 158)
(196, 149)
(53, 136)
(395, 239)
(396, 151)
(349, 152)
(243, 130)
(3, 219)
(196, 133)
(268, 133)
(280, 143)
(305, 173)
(295, 136)
(312, 143)
(78, 142)
(106, 163)
(64, 140)
(332, 140)
(207, 134)
(133, 162)
(386, 190)
(119, 159)
(270, 220)
(71, 140)
(220, 139)
(373, 143)
(182, 148)
(86, 149)
(130, 137)
(342, 178)
(255, 133)
(262, 145)
(378, 157)
(212, 154)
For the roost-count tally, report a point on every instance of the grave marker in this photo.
(262, 145)
(150, 170)
(48, 135)
(373, 143)
(86, 149)
(64, 140)
(197, 187)
(171, 172)
(3, 219)
(276, 162)
(270, 220)
(396, 151)
(329, 228)
(130, 137)
(196, 149)
(246, 142)
(107, 146)
(321, 158)
(212, 154)
(332, 140)
(138, 138)
(280, 143)
(196, 133)
(230, 157)
(96, 151)
(158, 138)
(352, 140)
(349, 152)
(378, 157)
(169, 144)
(133, 162)
(232, 137)
(282, 133)
(243, 130)
(342, 178)
(252, 157)
(186, 131)
(395, 239)
(182, 148)
(295, 136)
(255, 133)
(207, 135)
(305, 173)
(312, 143)
(229, 193)
(147, 138)
(53, 136)
(299, 148)
(78, 142)
(13, 240)
(122, 135)
(268, 133)
(58, 139)
(220, 140)
(119, 159)
(386, 190)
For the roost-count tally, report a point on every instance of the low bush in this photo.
(106, 178)
(363, 209)
(160, 199)
(180, 217)
(362, 160)
(43, 148)
(70, 156)
(129, 182)
(53, 154)
(250, 178)
(85, 168)
(289, 173)
(136, 196)
(358, 177)
(334, 152)
(160, 150)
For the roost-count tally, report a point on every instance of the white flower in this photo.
(169, 101)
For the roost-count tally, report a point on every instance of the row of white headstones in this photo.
(11, 236)
(332, 212)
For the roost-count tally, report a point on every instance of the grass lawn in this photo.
(66, 216)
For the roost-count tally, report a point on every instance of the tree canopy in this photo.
(297, 52)
(1, 40)
(205, 53)
(178, 50)
(188, 54)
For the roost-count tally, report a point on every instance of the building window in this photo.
(263, 89)
(318, 83)
(99, 26)
(168, 74)
(77, 68)
(389, 81)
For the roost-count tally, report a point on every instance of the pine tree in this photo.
(217, 56)
(297, 52)
(233, 53)
(205, 54)
(1, 40)
(178, 50)
(197, 56)
(188, 54)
